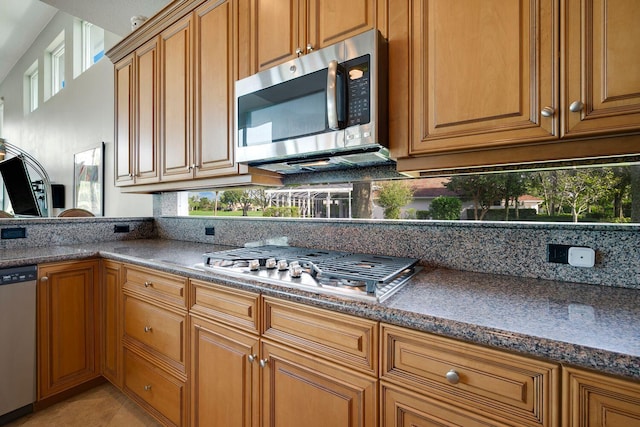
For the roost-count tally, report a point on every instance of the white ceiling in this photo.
(22, 20)
(20, 23)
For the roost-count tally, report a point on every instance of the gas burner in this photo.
(359, 276)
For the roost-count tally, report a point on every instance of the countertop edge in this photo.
(565, 353)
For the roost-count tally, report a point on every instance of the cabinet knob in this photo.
(147, 328)
(252, 358)
(148, 284)
(453, 377)
(548, 112)
(44, 279)
(298, 51)
(263, 362)
(576, 106)
(309, 47)
(147, 387)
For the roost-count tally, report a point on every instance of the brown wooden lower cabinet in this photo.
(68, 312)
(300, 389)
(156, 343)
(111, 322)
(595, 400)
(224, 378)
(238, 359)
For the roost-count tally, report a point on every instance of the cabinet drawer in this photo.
(338, 337)
(510, 388)
(402, 408)
(156, 329)
(234, 307)
(163, 286)
(159, 392)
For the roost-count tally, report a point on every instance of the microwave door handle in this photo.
(332, 95)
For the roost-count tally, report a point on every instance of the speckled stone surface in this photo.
(514, 249)
(68, 231)
(582, 325)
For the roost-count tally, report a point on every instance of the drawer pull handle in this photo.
(148, 284)
(147, 328)
(252, 358)
(453, 377)
(147, 387)
(263, 362)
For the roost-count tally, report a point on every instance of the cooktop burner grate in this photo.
(370, 270)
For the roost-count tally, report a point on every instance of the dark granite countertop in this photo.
(590, 326)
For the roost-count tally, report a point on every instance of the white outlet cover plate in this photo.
(582, 257)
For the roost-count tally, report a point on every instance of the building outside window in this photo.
(31, 87)
(57, 68)
(92, 44)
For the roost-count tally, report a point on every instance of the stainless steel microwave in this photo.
(326, 109)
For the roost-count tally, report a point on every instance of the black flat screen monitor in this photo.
(18, 184)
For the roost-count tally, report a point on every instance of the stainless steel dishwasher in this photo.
(17, 341)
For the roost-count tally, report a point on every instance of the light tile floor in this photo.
(102, 406)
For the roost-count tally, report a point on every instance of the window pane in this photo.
(57, 68)
(33, 91)
(92, 44)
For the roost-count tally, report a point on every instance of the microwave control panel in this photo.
(358, 90)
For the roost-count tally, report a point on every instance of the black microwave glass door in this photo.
(288, 110)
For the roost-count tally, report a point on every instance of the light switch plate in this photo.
(582, 257)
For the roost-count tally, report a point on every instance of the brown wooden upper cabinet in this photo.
(175, 95)
(199, 69)
(481, 72)
(286, 29)
(136, 81)
(498, 73)
(174, 87)
(601, 67)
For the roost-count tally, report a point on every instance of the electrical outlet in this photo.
(121, 228)
(14, 233)
(209, 231)
(558, 253)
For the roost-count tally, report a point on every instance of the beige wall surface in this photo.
(77, 118)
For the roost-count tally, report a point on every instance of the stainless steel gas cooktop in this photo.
(359, 276)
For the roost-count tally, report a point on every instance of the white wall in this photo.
(77, 118)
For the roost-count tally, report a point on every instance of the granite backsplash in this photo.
(514, 249)
(509, 248)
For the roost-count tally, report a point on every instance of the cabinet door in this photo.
(303, 390)
(287, 29)
(331, 21)
(594, 400)
(111, 324)
(481, 72)
(215, 24)
(146, 147)
(224, 381)
(175, 54)
(279, 31)
(68, 310)
(601, 66)
(124, 126)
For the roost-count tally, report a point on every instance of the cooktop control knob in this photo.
(254, 265)
(295, 270)
(270, 263)
(282, 264)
